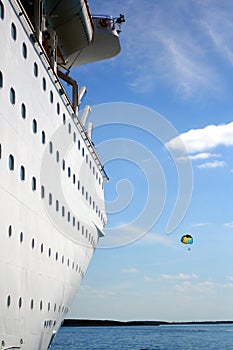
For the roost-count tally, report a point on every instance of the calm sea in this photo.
(185, 337)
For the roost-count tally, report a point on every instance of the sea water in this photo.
(164, 337)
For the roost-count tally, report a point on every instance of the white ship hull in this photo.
(51, 192)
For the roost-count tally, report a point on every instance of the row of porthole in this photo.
(61, 309)
(72, 265)
(50, 198)
(12, 97)
(36, 74)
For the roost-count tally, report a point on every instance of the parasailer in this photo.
(187, 239)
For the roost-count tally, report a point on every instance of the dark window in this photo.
(8, 301)
(13, 31)
(12, 96)
(23, 111)
(1, 10)
(34, 126)
(51, 96)
(11, 162)
(22, 173)
(20, 303)
(42, 192)
(24, 50)
(1, 80)
(33, 183)
(44, 84)
(43, 137)
(35, 69)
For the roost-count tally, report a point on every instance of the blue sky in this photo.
(174, 76)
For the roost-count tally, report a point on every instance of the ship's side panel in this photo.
(51, 193)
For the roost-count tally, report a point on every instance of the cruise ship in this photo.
(51, 178)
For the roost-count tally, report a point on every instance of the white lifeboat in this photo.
(105, 44)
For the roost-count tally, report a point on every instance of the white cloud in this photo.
(130, 270)
(201, 140)
(211, 165)
(229, 224)
(179, 276)
(200, 156)
(200, 224)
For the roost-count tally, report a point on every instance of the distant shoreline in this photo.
(112, 323)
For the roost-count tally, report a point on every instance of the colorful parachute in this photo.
(187, 239)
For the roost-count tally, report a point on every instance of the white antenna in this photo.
(81, 93)
(89, 129)
(86, 111)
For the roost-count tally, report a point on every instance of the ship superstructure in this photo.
(51, 178)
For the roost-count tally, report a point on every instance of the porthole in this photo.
(41, 305)
(23, 111)
(20, 303)
(33, 243)
(43, 137)
(64, 118)
(63, 164)
(56, 256)
(13, 31)
(24, 50)
(68, 170)
(11, 162)
(12, 96)
(32, 304)
(42, 190)
(41, 248)
(51, 96)
(8, 301)
(33, 183)
(1, 10)
(35, 69)
(49, 252)
(21, 237)
(10, 231)
(22, 173)
(34, 126)
(50, 147)
(1, 80)
(74, 178)
(57, 156)
(44, 84)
